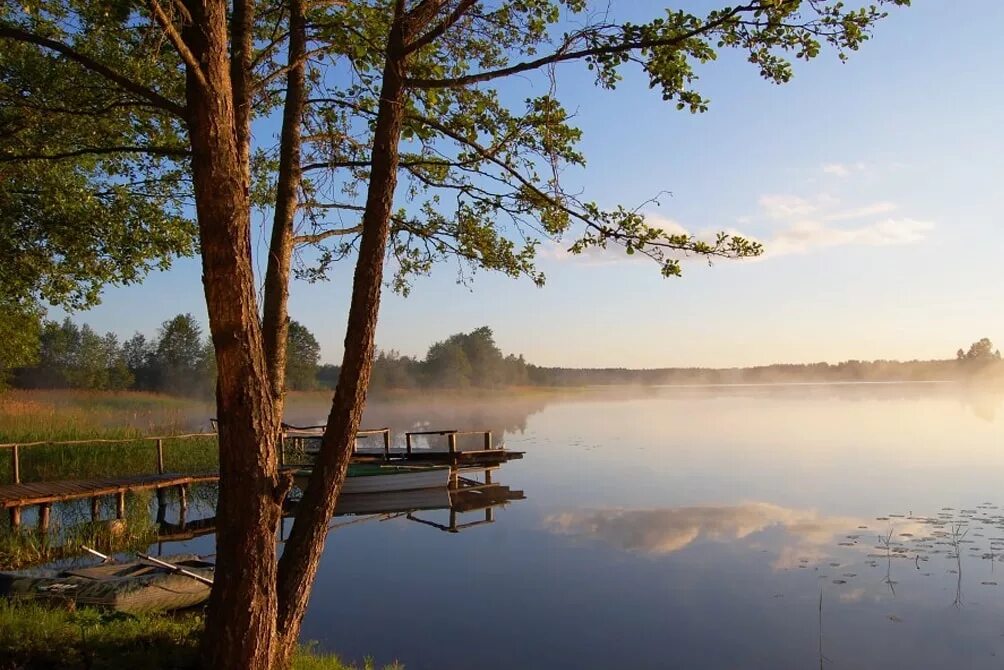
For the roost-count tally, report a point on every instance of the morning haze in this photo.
(451, 334)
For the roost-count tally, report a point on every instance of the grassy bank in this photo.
(57, 416)
(33, 637)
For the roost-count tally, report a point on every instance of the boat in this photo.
(393, 502)
(134, 587)
(365, 478)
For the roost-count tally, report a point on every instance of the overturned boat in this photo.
(134, 587)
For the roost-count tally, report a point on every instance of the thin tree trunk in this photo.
(240, 625)
(275, 317)
(302, 551)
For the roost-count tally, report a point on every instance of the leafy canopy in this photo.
(94, 153)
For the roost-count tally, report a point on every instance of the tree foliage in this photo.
(144, 100)
(302, 356)
(980, 353)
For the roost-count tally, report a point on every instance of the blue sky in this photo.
(874, 184)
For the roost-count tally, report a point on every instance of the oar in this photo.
(176, 569)
(155, 561)
(104, 557)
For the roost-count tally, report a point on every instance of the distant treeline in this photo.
(981, 359)
(180, 361)
(463, 360)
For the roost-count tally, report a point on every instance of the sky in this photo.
(875, 186)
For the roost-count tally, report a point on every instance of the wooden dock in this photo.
(17, 495)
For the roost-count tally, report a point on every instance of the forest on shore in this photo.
(179, 360)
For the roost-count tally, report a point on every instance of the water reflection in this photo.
(668, 530)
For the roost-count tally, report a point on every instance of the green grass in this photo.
(56, 416)
(33, 637)
(71, 529)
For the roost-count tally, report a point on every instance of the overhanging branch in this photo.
(158, 100)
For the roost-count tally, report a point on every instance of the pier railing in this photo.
(157, 441)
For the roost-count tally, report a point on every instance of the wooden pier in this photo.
(17, 495)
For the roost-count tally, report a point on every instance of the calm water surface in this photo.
(785, 527)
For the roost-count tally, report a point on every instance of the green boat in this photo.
(134, 587)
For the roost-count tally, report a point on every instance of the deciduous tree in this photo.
(153, 102)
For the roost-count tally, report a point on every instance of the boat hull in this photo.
(129, 587)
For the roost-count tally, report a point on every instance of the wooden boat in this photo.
(365, 478)
(392, 502)
(132, 587)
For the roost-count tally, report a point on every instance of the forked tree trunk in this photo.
(240, 625)
(303, 548)
(275, 314)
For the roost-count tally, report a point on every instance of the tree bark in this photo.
(240, 625)
(275, 315)
(302, 552)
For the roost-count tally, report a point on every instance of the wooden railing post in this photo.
(407, 443)
(15, 464)
(488, 440)
(282, 450)
(451, 439)
(386, 444)
(160, 456)
(43, 517)
(120, 507)
(182, 504)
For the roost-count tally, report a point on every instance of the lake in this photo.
(847, 526)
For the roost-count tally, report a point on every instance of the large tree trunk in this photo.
(275, 315)
(302, 551)
(240, 626)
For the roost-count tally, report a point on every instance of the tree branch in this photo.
(562, 56)
(171, 152)
(444, 25)
(178, 43)
(158, 100)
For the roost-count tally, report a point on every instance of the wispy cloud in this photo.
(789, 224)
(804, 236)
(843, 169)
(802, 224)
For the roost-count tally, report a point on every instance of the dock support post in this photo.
(43, 517)
(95, 508)
(160, 457)
(451, 439)
(407, 443)
(120, 505)
(488, 440)
(488, 475)
(182, 504)
(15, 518)
(15, 465)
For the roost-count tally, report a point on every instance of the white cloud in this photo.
(862, 212)
(796, 225)
(809, 223)
(843, 169)
(786, 207)
(803, 236)
(836, 169)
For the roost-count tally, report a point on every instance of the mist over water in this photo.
(757, 526)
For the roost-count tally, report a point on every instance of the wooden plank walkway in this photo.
(39, 493)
